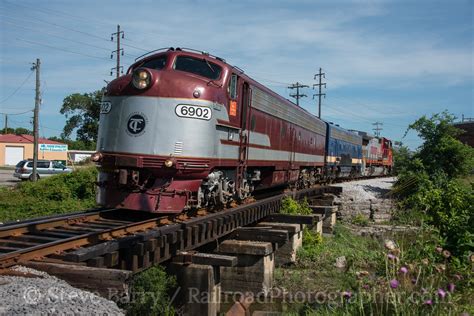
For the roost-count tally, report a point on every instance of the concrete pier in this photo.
(286, 253)
(199, 288)
(254, 270)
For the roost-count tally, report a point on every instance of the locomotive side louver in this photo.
(178, 148)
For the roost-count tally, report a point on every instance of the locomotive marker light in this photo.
(141, 79)
(169, 163)
(96, 157)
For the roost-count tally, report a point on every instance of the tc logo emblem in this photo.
(136, 124)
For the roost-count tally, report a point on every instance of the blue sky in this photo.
(386, 61)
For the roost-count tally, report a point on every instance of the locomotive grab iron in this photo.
(184, 129)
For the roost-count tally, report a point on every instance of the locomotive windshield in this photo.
(201, 67)
(157, 63)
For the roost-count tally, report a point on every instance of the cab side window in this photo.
(233, 87)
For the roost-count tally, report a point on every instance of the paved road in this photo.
(6, 178)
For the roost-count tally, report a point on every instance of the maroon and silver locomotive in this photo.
(184, 129)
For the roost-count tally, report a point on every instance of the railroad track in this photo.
(116, 238)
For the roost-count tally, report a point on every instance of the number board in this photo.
(193, 111)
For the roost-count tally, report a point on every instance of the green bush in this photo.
(54, 195)
(150, 293)
(290, 206)
(428, 185)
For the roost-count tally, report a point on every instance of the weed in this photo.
(360, 220)
(290, 206)
(150, 293)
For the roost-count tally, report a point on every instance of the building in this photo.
(467, 125)
(75, 156)
(14, 148)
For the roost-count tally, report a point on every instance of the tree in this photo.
(82, 112)
(8, 130)
(441, 153)
(22, 130)
(428, 183)
(17, 131)
(401, 158)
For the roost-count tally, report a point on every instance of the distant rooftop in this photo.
(25, 139)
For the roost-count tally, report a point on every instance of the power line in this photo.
(17, 89)
(78, 18)
(61, 49)
(297, 95)
(56, 13)
(21, 113)
(61, 37)
(319, 75)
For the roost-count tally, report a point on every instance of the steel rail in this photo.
(173, 234)
(45, 249)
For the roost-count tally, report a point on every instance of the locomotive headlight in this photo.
(141, 78)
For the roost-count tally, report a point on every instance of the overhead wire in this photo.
(17, 89)
(75, 30)
(64, 38)
(20, 113)
(61, 49)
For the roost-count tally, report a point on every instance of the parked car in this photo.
(44, 168)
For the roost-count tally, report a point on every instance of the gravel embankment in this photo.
(366, 197)
(48, 295)
(367, 189)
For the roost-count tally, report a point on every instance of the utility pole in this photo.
(36, 66)
(320, 75)
(5, 131)
(297, 96)
(377, 129)
(118, 52)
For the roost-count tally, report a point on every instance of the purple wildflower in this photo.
(413, 281)
(392, 257)
(394, 283)
(451, 287)
(441, 293)
(428, 302)
(346, 294)
(365, 286)
(404, 270)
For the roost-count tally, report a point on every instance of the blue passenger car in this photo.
(343, 152)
